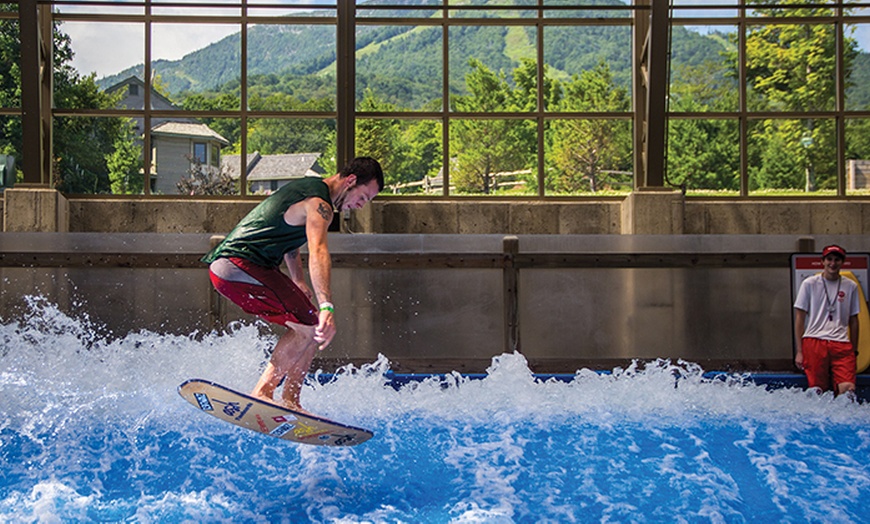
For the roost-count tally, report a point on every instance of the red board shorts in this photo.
(826, 359)
(278, 300)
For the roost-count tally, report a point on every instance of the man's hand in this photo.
(325, 330)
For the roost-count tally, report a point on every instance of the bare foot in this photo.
(293, 407)
(266, 399)
(298, 409)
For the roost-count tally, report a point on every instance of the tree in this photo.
(380, 138)
(703, 153)
(202, 180)
(792, 67)
(125, 164)
(589, 153)
(272, 136)
(484, 146)
(82, 144)
(423, 153)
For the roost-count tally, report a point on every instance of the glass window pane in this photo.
(401, 67)
(569, 9)
(484, 74)
(704, 155)
(393, 9)
(703, 69)
(703, 8)
(200, 152)
(108, 49)
(791, 67)
(463, 9)
(10, 62)
(287, 72)
(409, 151)
(592, 56)
(290, 135)
(97, 155)
(493, 156)
(298, 8)
(198, 8)
(858, 156)
(10, 145)
(784, 10)
(589, 156)
(857, 11)
(857, 60)
(181, 158)
(280, 149)
(179, 62)
(100, 7)
(792, 156)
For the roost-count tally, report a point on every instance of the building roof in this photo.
(135, 80)
(187, 130)
(274, 167)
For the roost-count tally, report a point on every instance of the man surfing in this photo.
(245, 268)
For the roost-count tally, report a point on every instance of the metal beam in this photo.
(346, 77)
(656, 94)
(33, 68)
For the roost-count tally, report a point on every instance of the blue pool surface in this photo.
(94, 431)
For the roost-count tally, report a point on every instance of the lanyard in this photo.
(831, 303)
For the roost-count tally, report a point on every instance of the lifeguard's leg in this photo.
(843, 367)
(290, 362)
(817, 364)
(844, 387)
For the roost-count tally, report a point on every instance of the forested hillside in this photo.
(404, 62)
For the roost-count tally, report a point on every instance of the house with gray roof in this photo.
(178, 144)
(266, 173)
(179, 147)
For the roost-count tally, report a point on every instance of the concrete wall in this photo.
(436, 303)
(641, 212)
(858, 174)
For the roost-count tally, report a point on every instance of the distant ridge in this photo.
(405, 61)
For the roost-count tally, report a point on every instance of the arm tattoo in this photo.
(324, 211)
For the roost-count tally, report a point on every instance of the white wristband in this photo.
(327, 306)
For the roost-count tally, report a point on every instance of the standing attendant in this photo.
(245, 268)
(826, 326)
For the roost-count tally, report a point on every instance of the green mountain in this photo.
(404, 62)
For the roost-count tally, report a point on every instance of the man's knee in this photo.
(301, 330)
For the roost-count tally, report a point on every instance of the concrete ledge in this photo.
(643, 212)
(38, 209)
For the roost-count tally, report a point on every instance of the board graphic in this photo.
(267, 418)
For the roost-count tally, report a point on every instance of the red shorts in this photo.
(827, 359)
(278, 300)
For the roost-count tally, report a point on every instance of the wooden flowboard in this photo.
(267, 418)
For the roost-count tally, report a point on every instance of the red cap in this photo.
(834, 249)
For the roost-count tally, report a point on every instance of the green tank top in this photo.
(262, 236)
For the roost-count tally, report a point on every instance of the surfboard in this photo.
(863, 326)
(269, 419)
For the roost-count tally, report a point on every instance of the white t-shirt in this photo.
(817, 296)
